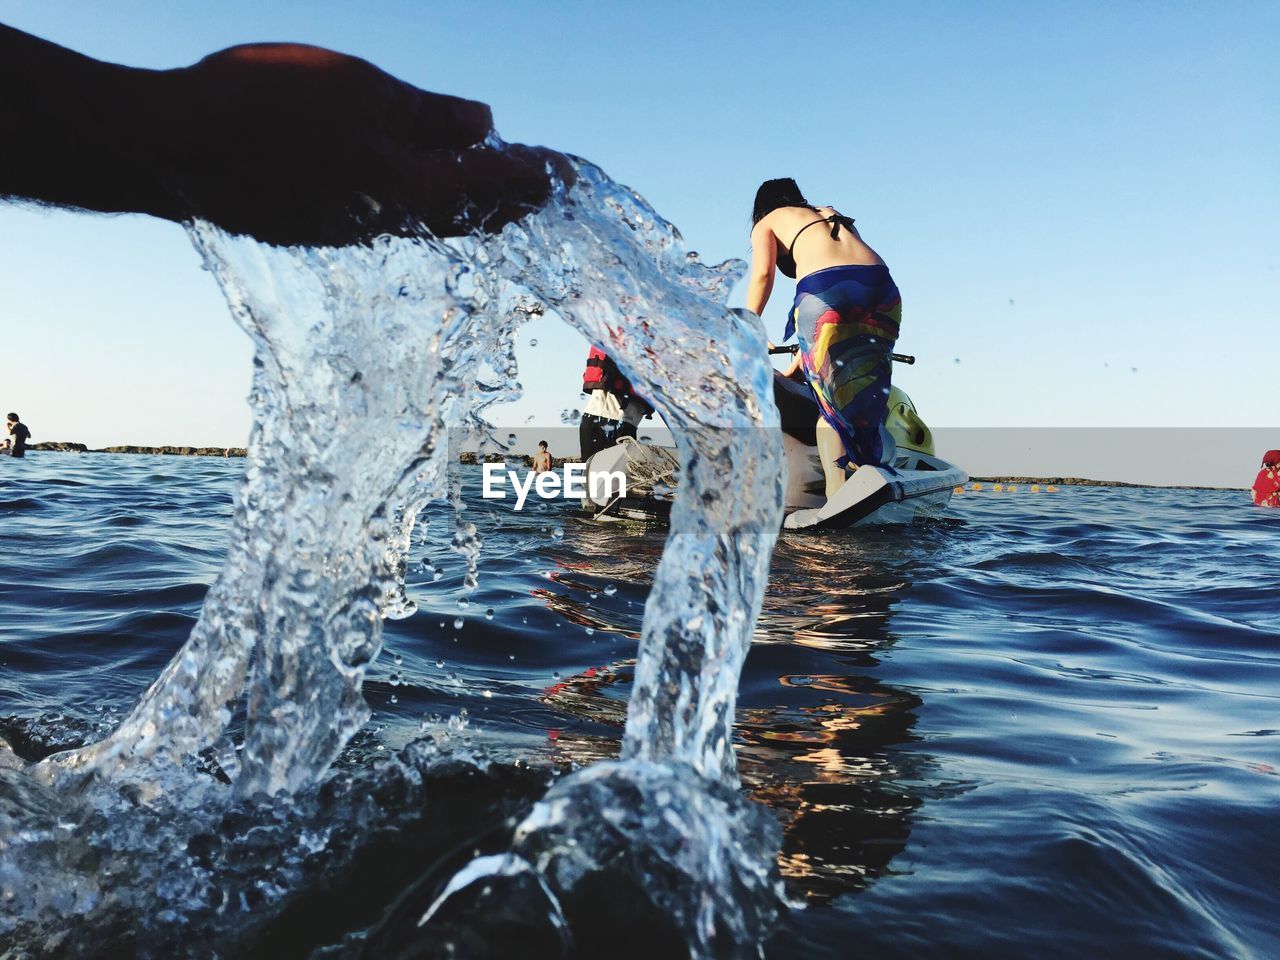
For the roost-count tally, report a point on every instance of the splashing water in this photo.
(368, 360)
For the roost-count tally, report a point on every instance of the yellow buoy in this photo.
(958, 490)
(1035, 488)
(977, 487)
(1051, 489)
(1011, 489)
(998, 488)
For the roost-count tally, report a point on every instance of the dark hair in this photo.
(13, 416)
(773, 194)
(542, 443)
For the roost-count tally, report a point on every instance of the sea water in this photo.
(1045, 724)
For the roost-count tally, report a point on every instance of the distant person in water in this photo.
(15, 444)
(291, 144)
(846, 314)
(1266, 488)
(614, 409)
(542, 459)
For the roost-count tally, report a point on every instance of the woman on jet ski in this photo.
(846, 314)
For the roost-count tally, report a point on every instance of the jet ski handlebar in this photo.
(792, 348)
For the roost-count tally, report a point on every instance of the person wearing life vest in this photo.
(1266, 489)
(614, 410)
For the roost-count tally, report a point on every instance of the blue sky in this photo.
(1079, 201)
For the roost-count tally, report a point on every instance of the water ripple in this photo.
(1038, 727)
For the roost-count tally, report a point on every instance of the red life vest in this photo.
(1266, 489)
(603, 374)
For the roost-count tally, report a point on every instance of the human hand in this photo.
(303, 145)
(288, 143)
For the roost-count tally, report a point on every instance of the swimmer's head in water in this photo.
(773, 194)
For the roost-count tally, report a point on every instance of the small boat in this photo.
(919, 483)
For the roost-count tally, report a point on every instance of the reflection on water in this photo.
(815, 727)
(822, 753)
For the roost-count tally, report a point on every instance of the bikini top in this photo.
(787, 260)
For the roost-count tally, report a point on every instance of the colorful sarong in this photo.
(847, 319)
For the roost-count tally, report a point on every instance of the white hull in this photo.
(918, 484)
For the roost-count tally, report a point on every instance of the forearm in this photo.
(74, 131)
(758, 291)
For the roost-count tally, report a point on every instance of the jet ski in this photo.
(919, 483)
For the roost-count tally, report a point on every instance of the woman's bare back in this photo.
(814, 248)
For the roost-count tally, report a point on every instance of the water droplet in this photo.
(557, 533)
(488, 614)
(555, 674)
(533, 343)
(591, 631)
(397, 660)
(610, 590)
(439, 664)
(457, 623)
(394, 698)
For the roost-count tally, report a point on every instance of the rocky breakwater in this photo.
(66, 447)
(59, 447)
